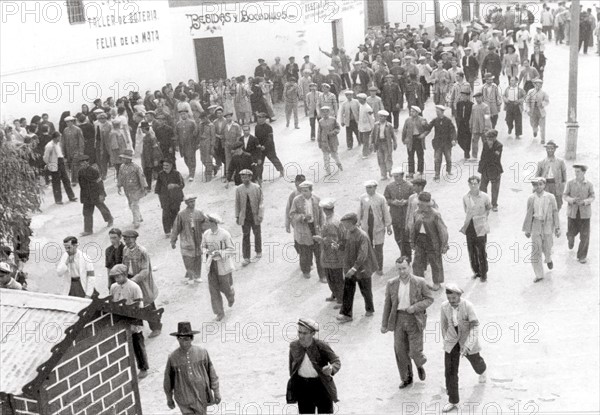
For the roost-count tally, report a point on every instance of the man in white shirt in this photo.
(406, 299)
(365, 123)
(76, 270)
(523, 39)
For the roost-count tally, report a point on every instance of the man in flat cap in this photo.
(383, 142)
(470, 67)
(298, 180)
(579, 194)
(169, 188)
(132, 180)
(523, 39)
(477, 206)
(278, 71)
(165, 135)
(460, 331)
(413, 136)
(307, 64)
(312, 366)
(457, 89)
(541, 224)
(196, 388)
(349, 114)
(492, 64)
(139, 270)
(359, 263)
(490, 166)
(206, 143)
(331, 254)
(327, 139)
(429, 238)
(125, 289)
(443, 141)
(536, 102)
(392, 98)
(334, 81)
(329, 97)
(307, 219)
(440, 78)
(479, 123)
(404, 313)
(513, 98)
(304, 87)
(375, 219)
(92, 195)
(189, 225)
(73, 144)
(249, 212)
(365, 123)
(218, 247)
(397, 194)
(554, 170)
(492, 97)
(374, 100)
(291, 96)
(240, 160)
(314, 102)
(186, 137)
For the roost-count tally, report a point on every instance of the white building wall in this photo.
(50, 65)
(294, 31)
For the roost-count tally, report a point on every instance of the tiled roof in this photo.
(31, 325)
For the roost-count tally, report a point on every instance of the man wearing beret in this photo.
(307, 219)
(541, 222)
(429, 238)
(312, 366)
(359, 263)
(460, 331)
(125, 289)
(92, 195)
(383, 142)
(189, 225)
(579, 194)
(404, 312)
(443, 140)
(554, 170)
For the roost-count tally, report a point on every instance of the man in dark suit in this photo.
(92, 195)
(490, 166)
(538, 60)
(240, 160)
(251, 146)
(470, 67)
(406, 299)
(312, 366)
(291, 69)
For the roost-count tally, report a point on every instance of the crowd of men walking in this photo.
(365, 95)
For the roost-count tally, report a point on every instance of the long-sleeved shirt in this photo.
(445, 133)
(477, 208)
(190, 377)
(139, 270)
(358, 253)
(331, 232)
(582, 191)
(244, 193)
(398, 191)
(189, 225)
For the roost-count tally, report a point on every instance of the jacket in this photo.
(90, 185)
(169, 197)
(584, 191)
(420, 124)
(391, 95)
(86, 273)
(537, 99)
(550, 222)
(302, 232)
(420, 298)
(492, 97)
(320, 355)
(252, 148)
(390, 137)
(468, 327)
(346, 109)
(559, 171)
(231, 134)
(314, 102)
(434, 226)
(491, 160)
(381, 216)
(476, 214)
(445, 133)
(242, 192)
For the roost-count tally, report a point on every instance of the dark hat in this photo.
(261, 60)
(425, 197)
(419, 182)
(130, 233)
(478, 94)
(489, 76)
(184, 329)
(237, 145)
(580, 166)
(350, 217)
(161, 117)
(299, 178)
(262, 115)
(551, 143)
(510, 46)
(491, 47)
(306, 56)
(119, 269)
(453, 288)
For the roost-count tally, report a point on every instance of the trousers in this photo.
(327, 162)
(352, 128)
(483, 186)
(408, 344)
(189, 158)
(424, 256)
(153, 325)
(193, 266)
(451, 363)
(306, 253)
(169, 214)
(364, 139)
(58, 177)
(134, 205)
(401, 235)
(582, 227)
(218, 284)
(73, 166)
(396, 115)
(88, 215)
(312, 396)
(538, 121)
(313, 121)
(289, 109)
(364, 284)
(477, 254)
(255, 228)
(437, 159)
(335, 280)
(139, 350)
(384, 159)
(417, 147)
(475, 137)
(552, 188)
(541, 244)
(514, 117)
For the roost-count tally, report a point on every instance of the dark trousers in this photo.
(59, 177)
(313, 122)
(417, 147)
(154, 325)
(379, 255)
(306, 253)
(148, 173)
(139, 350)
(425, 254)
(408, 344)
(272, 156)
(73, 168)
(494, 119)
(401, 235)
(581, 227)
(312, 396)
(218, 284)
(437, 159)
(103, 162)
(346, 83)
(168, 217)
(88, 215)
(352, 129)
(335, 280)
(584, 39)
(396, 115)
(547, 30)
(514, 117)
(426, 88)
(485, 179)
(364, 283)
(477, 255)
(250, 225)
(451, 362)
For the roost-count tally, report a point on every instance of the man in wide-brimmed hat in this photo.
(196, 386)
(554, 170)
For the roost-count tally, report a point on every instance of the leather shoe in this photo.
(484, 278)
(550, 265)
(405, 383)
(421, 372)
(571, 242)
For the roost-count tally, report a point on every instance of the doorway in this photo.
(337, 31)
(210, 58)
(375, 13)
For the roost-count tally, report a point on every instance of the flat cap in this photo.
(102, 114)
(580, 166)
(83, 157)
(478, 94)
(214, 218)
(453, 288)
(325, 108)
(440, 107)
(312, 84)
(373, 88)
(130, 233)
(551, 143)
(98, 111)
(397, 171)
(361, 95)
(351, 217)
(190, 197)
(306, 184)
(330, 68)
(538, 81)
(348, 92)
(325, 85)
(5, 268)
(384, 113)
(370, 183)
(415, 108)
(425, 197)
(69, 118)
(395, 60)
(309, 324)
(538, 180)
(246, 172)
(119, 269)
(327, 203)
(237, 145)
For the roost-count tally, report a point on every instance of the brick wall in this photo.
(21, 405)
(97, 375)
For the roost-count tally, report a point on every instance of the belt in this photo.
(550, 181)
(75, 279)
(308, 380)
(403, 312)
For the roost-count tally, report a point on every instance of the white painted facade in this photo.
(51, 65)
(291, 28)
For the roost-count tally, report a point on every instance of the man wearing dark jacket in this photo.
(165, 135)
(251, 146)
(89, 138)
(392, 98)
(92, 195)
(264, 134)
(490, 166)
(312, 366)
(470, 67)
(443, 140)
(239, 161)
(492, 64)
(169, 188)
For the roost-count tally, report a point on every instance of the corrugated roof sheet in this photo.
(31, 325)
